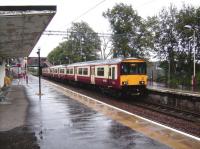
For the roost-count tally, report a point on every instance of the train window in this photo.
(67, 71)
(109, 72)
(113, 72)
(100, 71)
(85, 71)
(61, 70)
(55, 70)
(80, 71)
(71, 71)
(133, 68)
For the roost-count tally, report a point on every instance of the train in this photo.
(117, 75)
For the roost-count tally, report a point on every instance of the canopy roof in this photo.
(21, 28)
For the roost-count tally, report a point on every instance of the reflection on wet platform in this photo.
(62, 122)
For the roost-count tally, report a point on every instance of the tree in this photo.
(166, 38)
(129, 31)
(174, 42)
(147, 36)
(106, 49)
(188, 15)
(83, 44)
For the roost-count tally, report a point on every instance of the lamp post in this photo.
(39, 71)
(194, 70)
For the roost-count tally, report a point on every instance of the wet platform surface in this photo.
(162, 89)
(62, 122)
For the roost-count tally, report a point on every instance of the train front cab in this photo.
(133, 77)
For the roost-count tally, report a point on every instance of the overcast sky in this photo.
(69, 10)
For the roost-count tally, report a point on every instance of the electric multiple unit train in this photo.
(122, 75)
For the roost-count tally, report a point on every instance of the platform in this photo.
(62, 119)
(159, 88)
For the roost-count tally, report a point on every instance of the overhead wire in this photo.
(90, 9)
(145, 3)
(66, 33)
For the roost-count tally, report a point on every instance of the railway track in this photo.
(171, 111)
(164, 109)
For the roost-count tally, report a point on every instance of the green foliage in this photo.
(57, 56)
(166, 42)
(83, 44)
(188, 15)
(130, 32)
(174, 42)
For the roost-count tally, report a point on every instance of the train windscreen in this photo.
(133, 68)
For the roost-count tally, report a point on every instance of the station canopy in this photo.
(21, 27)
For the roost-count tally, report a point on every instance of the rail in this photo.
(171, 111)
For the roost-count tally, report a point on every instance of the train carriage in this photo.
(127, 75)
(69, 73)
(61, 72)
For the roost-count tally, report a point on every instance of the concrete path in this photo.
(13, 110)
(161, 88)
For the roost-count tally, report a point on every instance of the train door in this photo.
(75, 73)
(112, 75)
(92, 75)
(53, 72)
(58, 73)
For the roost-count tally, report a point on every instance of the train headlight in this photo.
(142, 82)
(125, 83)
